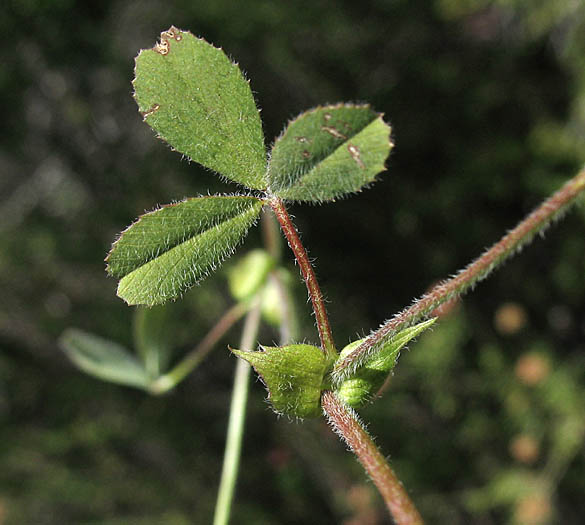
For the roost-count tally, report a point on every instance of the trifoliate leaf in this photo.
(367, 380)
(169, 250)
(103, 359)
(249, 274)
(293, 376)
(328, 152)
(199, 102)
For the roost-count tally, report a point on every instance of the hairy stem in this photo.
(235, 433)
(193, 358)
(550, 210)
(347, 424)
(292, 236)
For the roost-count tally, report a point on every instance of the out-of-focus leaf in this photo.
(199, 102)
(277, 302)
(328, 152)
(505, 488)
(103, 358)
(249, 274)
(169, 250)
(152, 337)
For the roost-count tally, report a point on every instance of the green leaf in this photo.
(199, 102)
(169, 250)
(293, 376)
(328, 152)
(152, 337)
(103, 359)
(249, 274)
(363, 385)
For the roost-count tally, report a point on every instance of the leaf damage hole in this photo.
(334, 132)
(302, 140)
(306, 154)
(150, 111)
(163, 47)
(355, 153)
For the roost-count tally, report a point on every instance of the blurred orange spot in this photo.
(510, 318)
(535, 509)
(532, 369)
(524, 448)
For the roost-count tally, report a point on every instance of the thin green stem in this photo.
(193, 358)
(550, 210)
(235, 433)
(317, 300)
(347, 424)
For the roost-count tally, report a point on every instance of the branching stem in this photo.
(550, 210)
(347, 424)
(308, 274)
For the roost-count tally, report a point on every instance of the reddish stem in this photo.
(346, 423)
(524, 232)
(292, 236)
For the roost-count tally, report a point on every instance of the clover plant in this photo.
(199, 102)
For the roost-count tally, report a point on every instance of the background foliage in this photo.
(487, 103)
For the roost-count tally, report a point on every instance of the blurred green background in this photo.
(484, 419)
